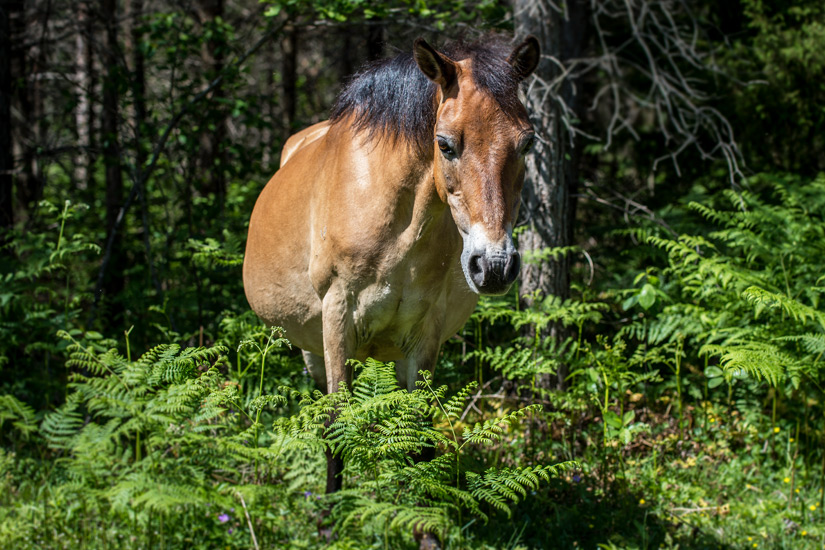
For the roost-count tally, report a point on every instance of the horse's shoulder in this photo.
(298, 141)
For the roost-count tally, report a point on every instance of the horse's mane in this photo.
(392, 98)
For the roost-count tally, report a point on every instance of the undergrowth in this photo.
(692, 415)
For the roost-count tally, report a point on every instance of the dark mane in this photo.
(392, 97)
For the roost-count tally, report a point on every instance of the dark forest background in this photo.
(667, 332)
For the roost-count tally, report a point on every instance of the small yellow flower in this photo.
(711, 420)
(791, 440)
(797, 490)
(750, 539)
(812, 507)
(787, 480)
(803, 533)
(776, 430)
(641, 501)
(755, 545)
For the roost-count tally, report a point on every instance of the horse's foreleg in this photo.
(339, 337)
(315, 366)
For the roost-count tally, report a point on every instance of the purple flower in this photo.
(223, 518)
(230, 531)
(307, 494)
(232, 510)
(576, 478)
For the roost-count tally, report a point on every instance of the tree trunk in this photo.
(28, 65)
(269, 153)
(375, 40)
(212, 158)
(289, 76)
(83, 88)
(344, 62)
(114, 282)
(6, 153)
(139, 122)
(548, 200)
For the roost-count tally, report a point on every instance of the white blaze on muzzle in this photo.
(489, 267)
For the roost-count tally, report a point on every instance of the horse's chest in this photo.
(409, 309)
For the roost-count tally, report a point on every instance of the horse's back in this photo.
(303, 138)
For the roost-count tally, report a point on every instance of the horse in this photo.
(385, 223)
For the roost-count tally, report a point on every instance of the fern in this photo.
(490, 430)
(497, 486)
(760, 359)
(20, 415)
(375, 426)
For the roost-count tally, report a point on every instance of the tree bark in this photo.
(28, 63)
(289, 76)
(6, 151)
(212, 157)
(375, 40)
(6, 145)
(114, 281)
(84, 85)
(548, 200)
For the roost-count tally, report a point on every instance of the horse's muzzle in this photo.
(493, 272)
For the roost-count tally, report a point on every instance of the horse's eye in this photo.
(528, 145)
(446, 149)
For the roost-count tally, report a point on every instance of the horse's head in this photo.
(482, 134)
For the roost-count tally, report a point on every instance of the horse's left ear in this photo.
(525, 57)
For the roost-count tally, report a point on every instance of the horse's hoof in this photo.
(428, 541)
(324, 527)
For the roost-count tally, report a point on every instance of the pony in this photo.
(385, 223)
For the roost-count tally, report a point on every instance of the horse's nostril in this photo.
(476, 268)
(512, 267)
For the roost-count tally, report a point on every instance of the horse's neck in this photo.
(430, 220)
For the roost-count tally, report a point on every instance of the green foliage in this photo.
(441, 13)
(779, 63)
(174, 415)
(749, 290)
(376, 427)
(693, 366)
(43, 290)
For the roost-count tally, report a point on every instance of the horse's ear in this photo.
(525, 57)
(435, 66)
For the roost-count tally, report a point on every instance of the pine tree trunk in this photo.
(375, 40)
(548, 200)
(6, 152)
(28, 64)
(114, 282)
(212, 159)
(83, 84)
(138, 79)
(289, 76)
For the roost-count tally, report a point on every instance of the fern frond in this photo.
(490, 431)
(759, 359)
